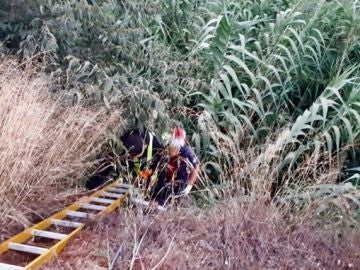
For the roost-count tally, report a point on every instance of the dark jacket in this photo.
(134, 141)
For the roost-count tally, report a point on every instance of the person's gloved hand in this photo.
(145, 173)
(187, 190)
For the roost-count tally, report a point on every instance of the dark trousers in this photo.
(164, 188)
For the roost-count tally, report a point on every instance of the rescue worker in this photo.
(178, 170)
(143, 154)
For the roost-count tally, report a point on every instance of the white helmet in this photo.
(178, 137)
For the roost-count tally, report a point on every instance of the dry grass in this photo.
(234, 235)
(45, 147)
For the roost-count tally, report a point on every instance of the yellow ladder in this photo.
(102, 202)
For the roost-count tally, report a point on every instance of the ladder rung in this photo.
(101, 200)
(5, 266)
(92, 206)
(139, 201)
(27, 248)
(119, 190)
(123, 186)
(47, 234)
(66, 223)
(111, 195)
(72, 213)
(145, 203)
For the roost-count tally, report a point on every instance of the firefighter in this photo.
(141, 156)
(178, 171)
(143, 152)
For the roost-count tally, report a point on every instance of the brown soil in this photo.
(17, 258)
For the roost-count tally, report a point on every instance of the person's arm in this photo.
(192, 179)
(194, 174)
(193, 160)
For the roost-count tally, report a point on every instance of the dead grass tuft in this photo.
(45, 147)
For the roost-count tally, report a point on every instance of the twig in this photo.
(166, 254)
(112, 264)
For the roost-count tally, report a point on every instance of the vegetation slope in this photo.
(268, 92)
